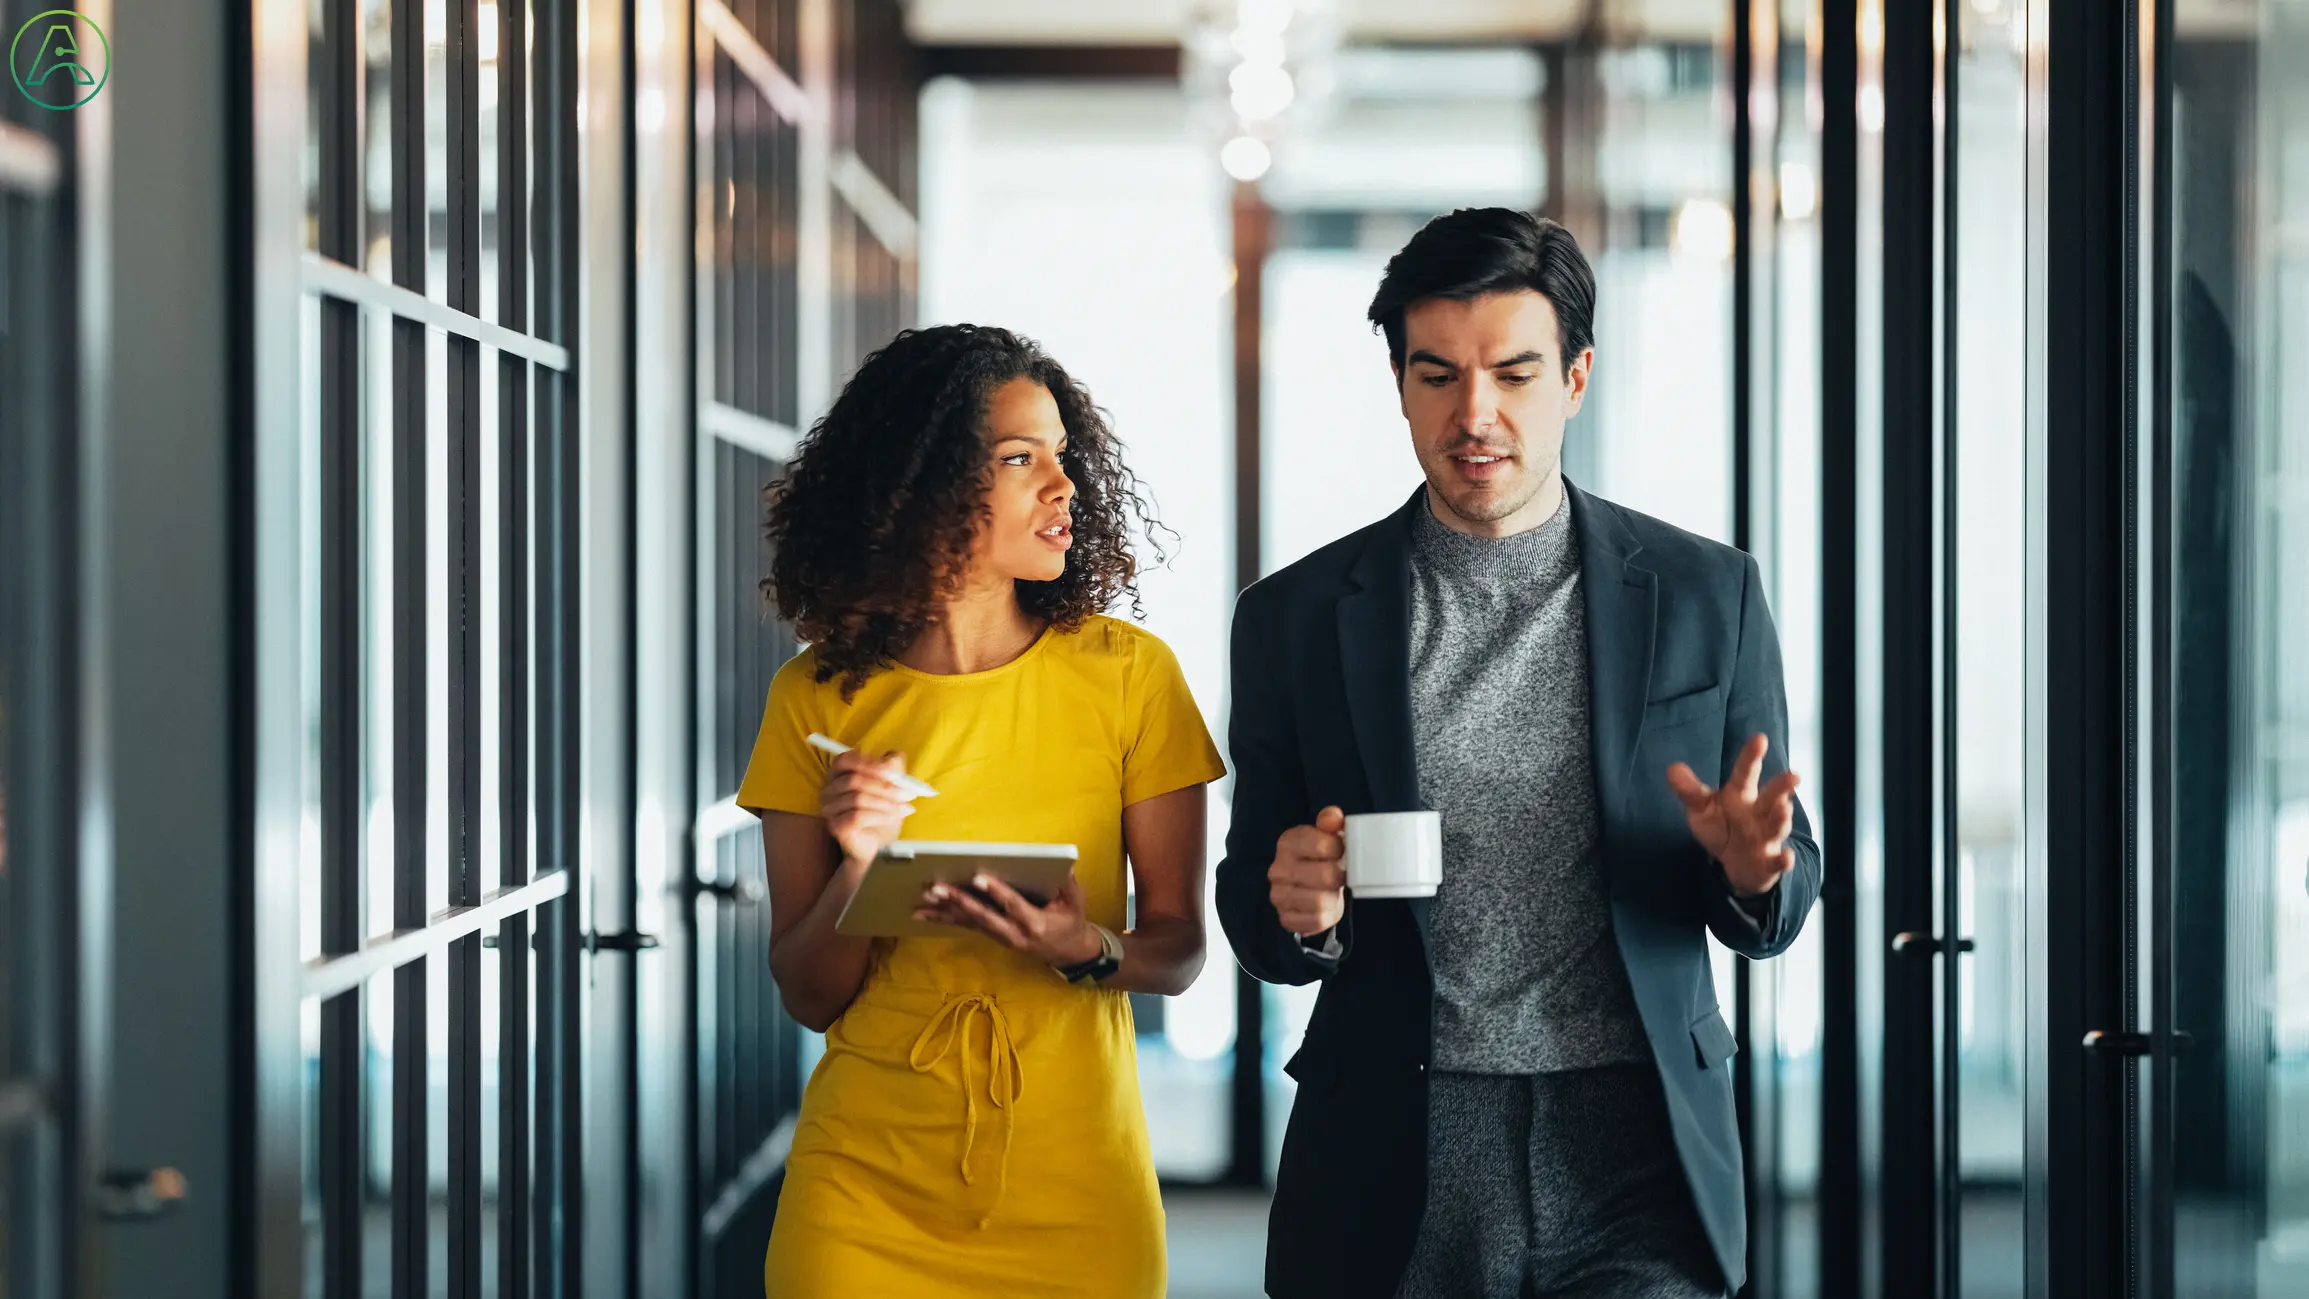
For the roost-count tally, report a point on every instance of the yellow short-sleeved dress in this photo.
(975, 1126)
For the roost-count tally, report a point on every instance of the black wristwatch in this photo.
(1103, 965)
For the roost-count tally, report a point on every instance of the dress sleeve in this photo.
(785, 772)
(1169, 746)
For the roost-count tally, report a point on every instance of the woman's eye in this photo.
(1021, 459)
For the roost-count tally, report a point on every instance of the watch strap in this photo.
(1108, 960)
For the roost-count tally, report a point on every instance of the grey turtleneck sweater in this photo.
(1528, 977)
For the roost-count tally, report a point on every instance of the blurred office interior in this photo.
(387, 388)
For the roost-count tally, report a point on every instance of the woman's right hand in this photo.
(863, 807)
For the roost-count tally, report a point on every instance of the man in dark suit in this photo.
(1521, 1086)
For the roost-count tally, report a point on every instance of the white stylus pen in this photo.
(902, 781)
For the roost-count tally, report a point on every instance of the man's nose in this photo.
(1478, 406)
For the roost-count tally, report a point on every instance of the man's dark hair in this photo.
(1482, 250)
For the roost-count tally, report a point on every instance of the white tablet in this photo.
(883, 906)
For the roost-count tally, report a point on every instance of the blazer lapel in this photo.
(1622, 609)
(1375, 660)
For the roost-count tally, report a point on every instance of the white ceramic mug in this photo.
(1394, 854)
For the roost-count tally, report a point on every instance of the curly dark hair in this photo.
(870, 530)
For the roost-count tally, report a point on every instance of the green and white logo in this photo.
(59, 59)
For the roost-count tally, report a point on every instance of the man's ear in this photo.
(1576, 380)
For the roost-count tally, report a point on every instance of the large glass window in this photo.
(2239, 626)
(1785, 993)
(431, 486)
(1989, 518)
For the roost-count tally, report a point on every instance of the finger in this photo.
(1748, 764)
(1007, 901)
(872, 800)
(868, 782)
(973, 914)
(1304, 921)
(1688, 787)
(1308, 876)
(1311, 843)
(1771, 809)
(860, 806)
(1331, 820)
(1778, 788)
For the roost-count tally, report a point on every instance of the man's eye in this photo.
(1515, 380)
(1435, 380)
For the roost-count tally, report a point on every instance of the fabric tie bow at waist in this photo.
(948, 1032)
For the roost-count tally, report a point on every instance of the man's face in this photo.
(1486, 393)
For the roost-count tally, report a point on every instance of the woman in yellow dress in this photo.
(947, 542)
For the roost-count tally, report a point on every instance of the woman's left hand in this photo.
(1057, 933)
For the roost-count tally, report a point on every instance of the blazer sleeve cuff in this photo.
(1328, 948)
(1756, 914)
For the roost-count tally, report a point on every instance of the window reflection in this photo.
(2239, 490)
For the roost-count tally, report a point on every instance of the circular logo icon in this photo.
(59, 59)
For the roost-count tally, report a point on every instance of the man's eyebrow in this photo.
(1520, 358)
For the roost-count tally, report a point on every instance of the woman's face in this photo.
(1031, 526)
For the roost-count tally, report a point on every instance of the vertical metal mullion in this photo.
(721, 381)
(1951, 629)
(560, 1057)
(463, 581)
(409, 1161)
(2081, 973)
(513, 1109)
(1252, 236)
(2159, 1242)
(1742, 203)
(1841, 1197)
(551, 197)
(754, 122)
(513, 1091)
(1912, 1174)
(341, 149)
(2137, 847)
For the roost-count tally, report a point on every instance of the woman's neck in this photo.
(979, 629)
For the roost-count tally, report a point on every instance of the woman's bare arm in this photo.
(817, 970)
(1163, 952)
(814, 865)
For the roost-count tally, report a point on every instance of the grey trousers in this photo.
(1556, 1186)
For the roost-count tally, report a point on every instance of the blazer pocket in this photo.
(1684, 707)
(1712, 1039)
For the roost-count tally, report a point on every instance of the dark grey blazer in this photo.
(1683, 665)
